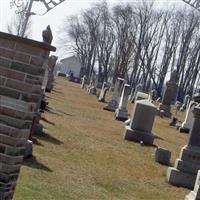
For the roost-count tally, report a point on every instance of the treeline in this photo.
(138, 42)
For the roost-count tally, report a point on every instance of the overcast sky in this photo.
(55, 17)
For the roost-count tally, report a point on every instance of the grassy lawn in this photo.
(82, 154)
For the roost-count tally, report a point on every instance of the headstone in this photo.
(158, 99)
(195, 194)
(153, 95)
(185, 103)
(51, 65)
(186, 125)
(22, 72)
(113, 103)
(141, 96)
(91, 84)
(162, 156)
(196, 97)
(173, 121)
(127, 122)
(131, 94)
(138, 88)
(83, 82)
(187, 165)
(103, 92)
(121, 113)
(141, 123)
(28, 149)
(92, 90)
(178, 105)
(162, 113)
(169, 94)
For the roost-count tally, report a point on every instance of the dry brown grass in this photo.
(83, 156)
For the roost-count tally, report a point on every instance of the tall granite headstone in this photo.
(121, 113)
(186, 125)
(185, 103)
(51, 65)
(138, 88)
(113, 103)
(83, 82)
(103, 92)
(169, 94)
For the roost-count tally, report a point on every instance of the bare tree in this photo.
(105, 41)
(139, 43)
(124, 46)
(15, 25)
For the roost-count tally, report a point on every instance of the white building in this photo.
(71, 65)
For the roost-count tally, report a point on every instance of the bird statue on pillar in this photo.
(47, 35)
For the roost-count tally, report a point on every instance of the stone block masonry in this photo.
(22, 71)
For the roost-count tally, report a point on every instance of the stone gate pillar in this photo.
(21, 77)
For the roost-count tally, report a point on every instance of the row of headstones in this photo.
(25, 73)
(139, 128)
(47, 86)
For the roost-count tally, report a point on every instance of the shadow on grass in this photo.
(36, 142)
(49, 138)
(57, 91)
(158, 137)
(56, 112)
(105, 102)
(47, 121)
(34, 163)
(149, 145)
(49, 110)
(63, 113)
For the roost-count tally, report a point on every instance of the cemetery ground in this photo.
(82, 154)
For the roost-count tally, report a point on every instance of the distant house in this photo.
(71, 65)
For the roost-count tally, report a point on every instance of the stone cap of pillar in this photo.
(27, 41)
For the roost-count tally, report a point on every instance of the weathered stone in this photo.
(38, 129)
(141, 96)
(51, 66)
(196, 97)
(138, 88)
(173, 121)
(141, 123)
(161, 113)
(195, 194)
(185, 170)
(103, 92)
(83, 83)
(185, 103)
(121, 113)
(113, 103)
(153, 95)
(186, 125)
(131, 94)
(28, 149)
(169, 94)
(162, 156)
(92, 90)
